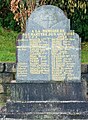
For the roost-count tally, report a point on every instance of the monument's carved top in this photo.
(47, 16)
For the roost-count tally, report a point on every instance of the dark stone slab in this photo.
(53, 101)
(62, 107)
(43, 116)
(48, 91)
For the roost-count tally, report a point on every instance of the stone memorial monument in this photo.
(49, 50)
(48, 79)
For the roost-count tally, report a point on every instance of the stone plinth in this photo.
(51, 99)
(48, 91)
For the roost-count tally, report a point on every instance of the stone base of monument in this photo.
(48, 101)
(49, 110)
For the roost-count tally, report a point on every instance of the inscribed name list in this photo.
(52, 54)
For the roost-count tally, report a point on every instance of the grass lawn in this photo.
(84, 52)
(84, 56)
(8, 47)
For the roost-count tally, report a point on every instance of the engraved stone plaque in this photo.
(48, 50)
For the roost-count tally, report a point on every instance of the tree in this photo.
(22, 10)
(6, 16)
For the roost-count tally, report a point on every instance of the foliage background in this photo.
(6, 16)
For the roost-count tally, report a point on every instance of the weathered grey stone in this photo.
(85, 77)
(84, 68)
(2, 98)
(48, 50)
(1, 67)
(1, 77)
(7, 77)
(1, 89)
(10, 67)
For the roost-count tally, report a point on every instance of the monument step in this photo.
(73, 107)
(47, 116)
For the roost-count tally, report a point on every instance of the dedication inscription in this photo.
(48, 50)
